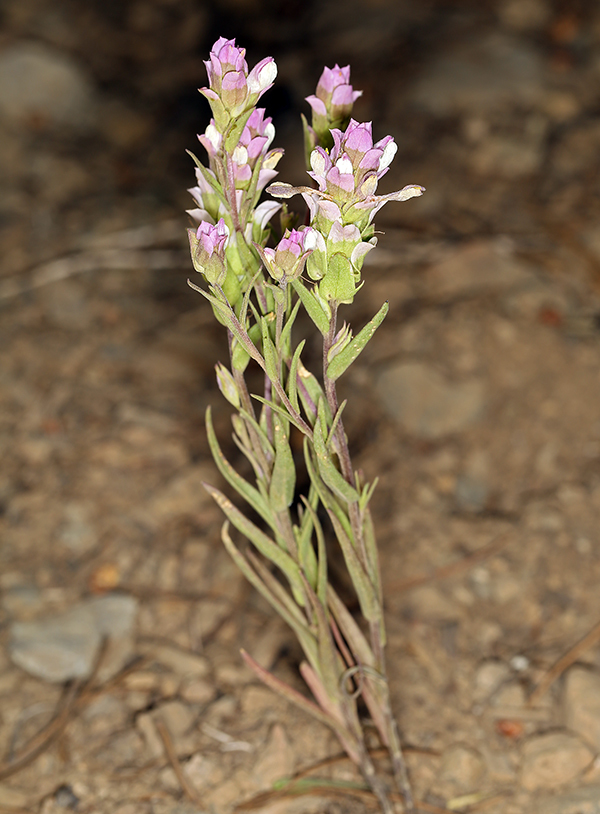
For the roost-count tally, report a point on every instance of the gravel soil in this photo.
(122, 690)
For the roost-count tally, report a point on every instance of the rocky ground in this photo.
(121, 686)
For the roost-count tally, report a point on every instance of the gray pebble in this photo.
(425, 404)
(65, 646)
(43, 87)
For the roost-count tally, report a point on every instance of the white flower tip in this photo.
(388, 154)
(310, 239)
(407, 192)
(344, 165)
(317, 162)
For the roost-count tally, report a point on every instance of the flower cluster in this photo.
(233, 90)
(331, 104)
(240, 163)
(286, 261)
(344, 205)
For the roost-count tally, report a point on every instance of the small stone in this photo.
(203, 772)
(177, 717)
(66, 798)
(489, 678)
(584, 800)
(476, 267)
(552, 760)
(581, 704)
(21, 600)
(276, 760)
(181, 662)
(65, 646)
(77, 533)
(483, 74)
(197, 691)
(57, 649)
(508, 156)
(524, 15)
(471, 493)
(43, 87)
(463, 767)
(12, 798)
(425, 404)
(428, 604)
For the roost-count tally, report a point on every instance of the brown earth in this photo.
(476, 403)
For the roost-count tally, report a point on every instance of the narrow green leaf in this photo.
(267, 547)
(241, 486)
(317, 580)
(208, 176)
(329, 666)
(298, 621)
(328, 471)
(335, 422)
(367, 598)
(367, 494)
(312, 306)
(246, 300)
(283, 476)
(269, 352)
(293, 377)
(310, 392)
(326, 496)
(306, 553)
(220, 305)
(232, 137)
(286, 334)
(372, 555)
(279, 600)
(248, 453)
(266, 445)
(340, 363)
(281, 410)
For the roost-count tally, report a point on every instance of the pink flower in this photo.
(232, 88)
(335, 95)
(207, 244)
(286, 261)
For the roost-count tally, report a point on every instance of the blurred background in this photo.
(476, 401)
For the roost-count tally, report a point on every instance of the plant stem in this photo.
(380, 695)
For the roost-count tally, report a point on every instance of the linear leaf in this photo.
(368, 600)
(287, 328)
(312, 306)
(241, 486)
(281, 410)
(340, 363)
(293, 377)
(267, 547)
(283, 476)
(328, 471)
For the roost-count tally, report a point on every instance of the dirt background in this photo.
(477, 403)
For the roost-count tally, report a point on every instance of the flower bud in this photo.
(227, 385)
(233, 90)
(207, 245)
(332, 103)
(286, 261)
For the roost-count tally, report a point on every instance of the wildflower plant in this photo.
(256, 292)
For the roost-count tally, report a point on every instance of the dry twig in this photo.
(185, 784)
(564, 663)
